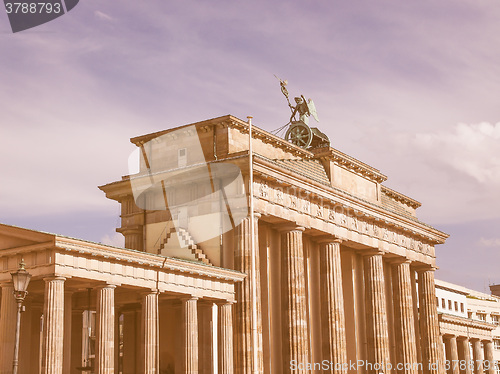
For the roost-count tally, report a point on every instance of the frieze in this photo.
(331, 214)
(339, 215)
(306, 206)
(319, 211)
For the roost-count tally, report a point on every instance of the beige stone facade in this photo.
(469, 324)
(339, 256)
(137, 299)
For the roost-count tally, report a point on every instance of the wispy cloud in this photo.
(492, 242)
(102, 16)
(470, 149)
(115, 239)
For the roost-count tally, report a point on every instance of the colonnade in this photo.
(412, 347)
(459, 359)
(57, 318)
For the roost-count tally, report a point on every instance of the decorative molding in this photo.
(343, 216)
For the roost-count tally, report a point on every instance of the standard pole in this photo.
(16, 346)
(255, 368)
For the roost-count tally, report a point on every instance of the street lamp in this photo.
(21, 279)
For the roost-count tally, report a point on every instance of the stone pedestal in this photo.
(477, 356)
(190, 330)
(150, 333)
(53, 326)
(432, 350)
(8, 311)
(489, 359)
(404, 321)
(451, 348)
(105, 330)
(464, 355)
(225, 317)
(293, 300)
(376, 315)
(334, 347)
(243, 341)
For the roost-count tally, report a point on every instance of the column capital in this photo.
(149, 292)
(288, 227)
(328, 239)
(422, 268)
(256, 215)
(107, 285)
(400, 260)
(54, 277)
(188, 298)
(371, 252)
(224, 302)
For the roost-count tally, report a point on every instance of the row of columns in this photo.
(295, 329)
(458, 355)
(53, 347)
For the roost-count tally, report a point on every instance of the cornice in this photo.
(400, 197)
(148, 259)
(462, 321)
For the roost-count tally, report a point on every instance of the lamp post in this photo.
(21, 279)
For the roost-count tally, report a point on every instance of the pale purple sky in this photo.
(409, 87)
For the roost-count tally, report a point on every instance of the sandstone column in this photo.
(451, 347)
(334, 347)
(53, 326)
(8, 313)
(464, 355)
(293, 300)
(243, 343)
(150, 325)
(488, 357)
(225, 317)
(477, 354)
(190, 325)
(376, 315)
(404, 322)
(432, 350)
(105, 330)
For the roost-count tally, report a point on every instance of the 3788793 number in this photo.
(33, 8)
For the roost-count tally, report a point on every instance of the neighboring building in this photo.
(469, 323)
(339, 256)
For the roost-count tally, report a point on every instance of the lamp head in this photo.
(20, 279)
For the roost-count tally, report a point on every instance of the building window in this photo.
(443, 303)
(495, 318)
(449, 304)
(456, 306)
(469, 314)
(437, 302)
(462, 307)
(481, 316)
(496, 343)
